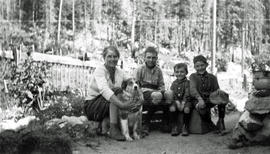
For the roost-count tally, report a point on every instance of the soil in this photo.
(162, 143)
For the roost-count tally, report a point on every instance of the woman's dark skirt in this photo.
(99, 108)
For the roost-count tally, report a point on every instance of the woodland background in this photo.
(78, 27)
(64, 40)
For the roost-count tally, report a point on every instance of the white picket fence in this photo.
(65, 71)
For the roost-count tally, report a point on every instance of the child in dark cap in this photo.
(202, 84)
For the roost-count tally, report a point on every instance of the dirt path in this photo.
(160, 143)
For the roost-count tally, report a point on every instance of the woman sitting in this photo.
(104, 87)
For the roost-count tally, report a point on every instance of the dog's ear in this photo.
(138, 83)
(124, 84)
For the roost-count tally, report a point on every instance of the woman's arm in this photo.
(102, 83)
(114, 99)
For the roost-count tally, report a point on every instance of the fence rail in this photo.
(64, 71)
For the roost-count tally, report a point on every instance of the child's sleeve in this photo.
(187, 92)
(161, 83)
(216, 85)
(193, 88)
(172, 88)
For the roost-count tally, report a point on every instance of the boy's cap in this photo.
(199, 58)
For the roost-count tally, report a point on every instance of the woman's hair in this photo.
(112, 48)
(181, 65)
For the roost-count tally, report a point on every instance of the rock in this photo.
(73, 120)
(258, 105)
(261, 93)
(264, 133)
(250, 122)
(260, 136)
(12, 125)
(55, 122)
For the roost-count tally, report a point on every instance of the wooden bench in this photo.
(197, 125)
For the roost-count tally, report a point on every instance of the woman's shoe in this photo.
(115, 133)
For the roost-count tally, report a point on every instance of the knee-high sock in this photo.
(221, 111)
(186, 119)
(173, 117)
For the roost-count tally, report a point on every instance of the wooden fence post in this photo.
(68, 75)
(57, 76)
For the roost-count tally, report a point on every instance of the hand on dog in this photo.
(129, 106)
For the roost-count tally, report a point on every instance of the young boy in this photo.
(181, 101)
(202, 84)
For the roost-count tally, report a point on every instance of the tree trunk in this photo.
(33, 13)
(50, 14)
(46, 26)
(2, 10)
(8, 7)
(133, 29)
(20, 12)
(156, 29)
(59, 23)
(213, 54)
(73, 24)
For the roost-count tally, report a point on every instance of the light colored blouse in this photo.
(101, 83)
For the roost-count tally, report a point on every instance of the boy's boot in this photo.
(185, 129)
(115, 133)
(173, 121)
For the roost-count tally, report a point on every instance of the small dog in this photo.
(131, 120)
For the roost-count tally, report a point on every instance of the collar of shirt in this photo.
(205, 74)
(152, 71)
(181, 81)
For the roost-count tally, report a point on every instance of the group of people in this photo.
(183, 96)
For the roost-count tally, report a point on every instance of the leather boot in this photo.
(185, 130)
(175, 130)
(115, 133)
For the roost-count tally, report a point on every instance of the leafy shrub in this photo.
(35, 138)
(65, 104)
(26, 83)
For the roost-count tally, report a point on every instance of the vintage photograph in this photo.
(134, 76)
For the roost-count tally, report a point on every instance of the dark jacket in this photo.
(202, 85)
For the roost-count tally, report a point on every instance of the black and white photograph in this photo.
(134, 76)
